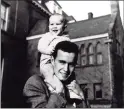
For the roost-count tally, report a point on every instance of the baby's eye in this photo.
(58, 24)
(51, 24)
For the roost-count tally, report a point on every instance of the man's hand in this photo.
(75, 88)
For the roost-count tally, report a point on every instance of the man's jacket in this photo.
(37, 95)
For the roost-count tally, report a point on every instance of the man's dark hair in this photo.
(66, 46)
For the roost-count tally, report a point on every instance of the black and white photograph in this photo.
(62, 54)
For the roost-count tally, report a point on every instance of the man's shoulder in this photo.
(35, 79)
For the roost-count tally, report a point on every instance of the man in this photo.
(36, 91)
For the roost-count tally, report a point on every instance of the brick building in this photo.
(100, 65)
(19, 19)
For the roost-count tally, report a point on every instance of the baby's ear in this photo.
(65, 26)
(52, 60)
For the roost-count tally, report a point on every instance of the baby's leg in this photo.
(52, 82)
(47, 71)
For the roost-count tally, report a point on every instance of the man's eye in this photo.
(72, 64)
(51, 24)
(62, 62)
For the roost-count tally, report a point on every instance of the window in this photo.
(97, 90)
(85, 89)
(39, 1)
(99, 57)
(83, 55)
(118, 46)
(4, 16)
(90, 54)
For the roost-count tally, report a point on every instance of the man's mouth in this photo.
(64, 74)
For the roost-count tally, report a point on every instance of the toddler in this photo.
(46, 45)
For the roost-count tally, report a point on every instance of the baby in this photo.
(46, 45)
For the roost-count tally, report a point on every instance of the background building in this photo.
(100, 65)
(19, 19)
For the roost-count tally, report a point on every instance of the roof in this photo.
(69, 18)
(89, 27)
(40, 7)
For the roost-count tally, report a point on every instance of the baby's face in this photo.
(56, 25)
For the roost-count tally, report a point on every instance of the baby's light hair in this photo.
(64, 20)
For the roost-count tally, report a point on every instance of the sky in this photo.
(79, 9)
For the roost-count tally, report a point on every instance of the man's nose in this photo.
(66, 67)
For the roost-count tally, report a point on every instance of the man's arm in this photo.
(37, 95)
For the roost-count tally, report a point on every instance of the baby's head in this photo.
(57, 24)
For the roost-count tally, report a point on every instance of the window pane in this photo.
(83, 50)
(2, 24)
(98, 91)
(4, 16)
(99, 58)
(90, 49)
(83, 60)
(91, 59)
(98, 48)
(39, 1)
(3, 11)
(84, 89)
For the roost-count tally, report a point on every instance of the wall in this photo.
(117, 62)
(32, 52)
(14, 50)
(97, 73)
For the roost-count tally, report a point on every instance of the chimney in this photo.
(90, 15)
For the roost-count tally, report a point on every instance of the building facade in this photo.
(100, 65)
(19, 19)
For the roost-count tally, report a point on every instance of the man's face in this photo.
(63, 65)
(56, 24)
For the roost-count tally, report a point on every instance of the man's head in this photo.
(64, 59)
(57, 24)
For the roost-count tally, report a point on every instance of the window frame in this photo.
(94, 90)
(89, 54)
(98, 52)
(84, 89)
(6, 16)
(83, 55)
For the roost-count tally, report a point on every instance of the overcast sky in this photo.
(80, 9)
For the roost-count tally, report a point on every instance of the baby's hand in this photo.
(52, 51)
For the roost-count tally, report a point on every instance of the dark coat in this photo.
(37, 95)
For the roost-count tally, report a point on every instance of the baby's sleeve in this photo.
(57, 40)
(43, 42)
